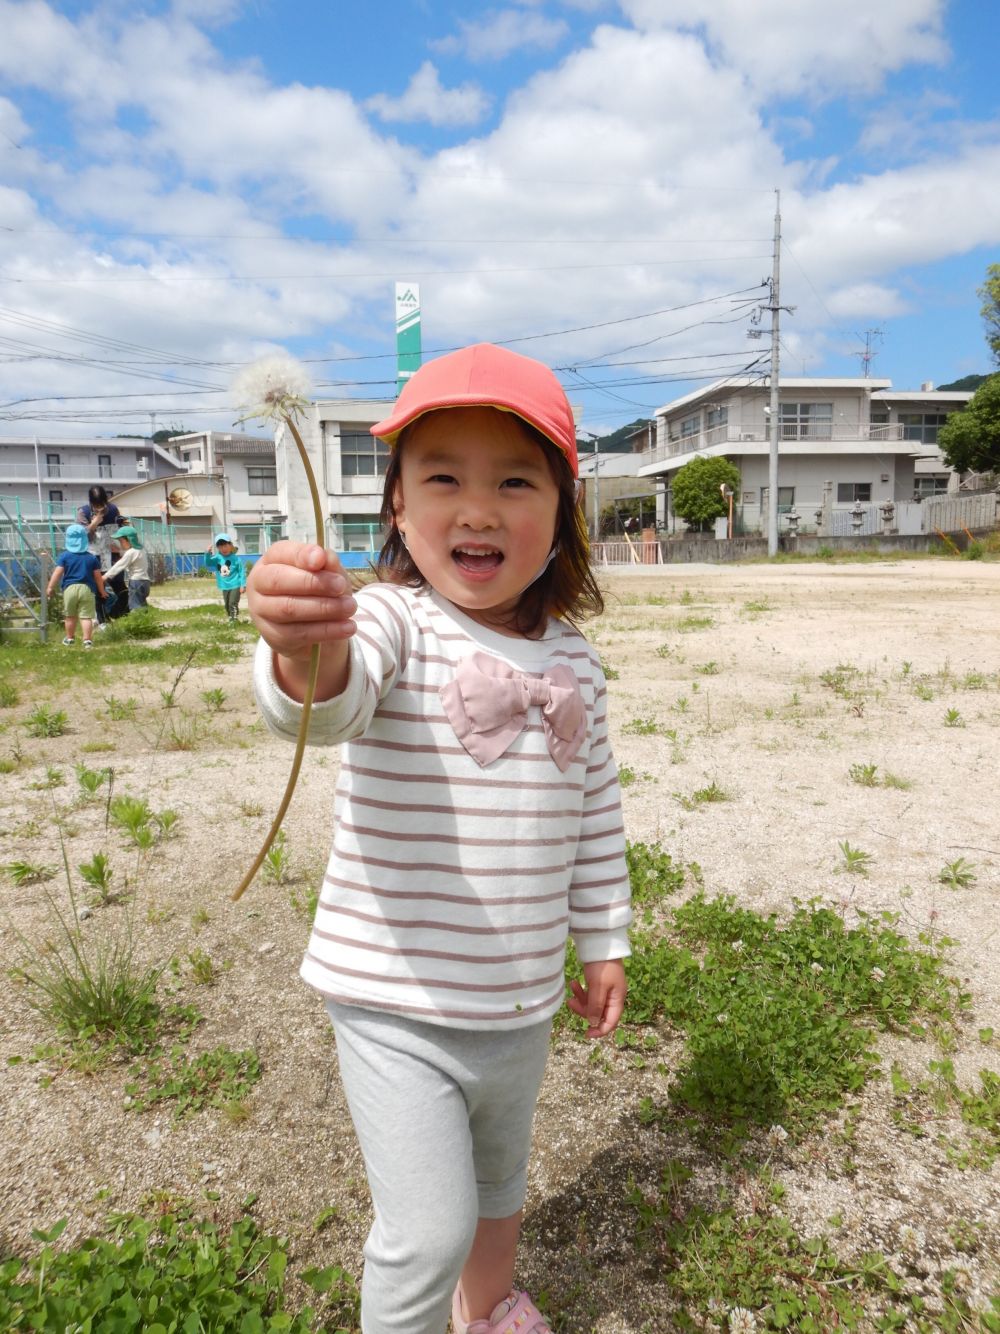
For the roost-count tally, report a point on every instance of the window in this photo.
(849, 493)
(930, 486)
(786, 498)
(690, 426)
(262, 481)
(361, 532)
(922, 426)
(52, 465)
(104, 465)
(878, 423)
(55, 497)
(361, 455)
(800, 421)
(717, 416)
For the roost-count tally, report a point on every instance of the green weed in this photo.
(652, 872)
(853, 860)
(753, 1272)
(779, 1020)
(29, 873)
(212, 1079)
(92, 780)
(97, 874)
(45, 722)
(278, 861)
(121, 710)
(202, 968)
(958, 874)
(702, 796)
(641, 727)
(174, 1273)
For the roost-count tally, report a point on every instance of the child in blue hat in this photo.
(79, 571)
(230, 576)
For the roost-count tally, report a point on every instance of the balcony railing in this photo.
(821, 432)
(71, 472)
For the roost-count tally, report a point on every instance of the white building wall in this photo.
(345, 500)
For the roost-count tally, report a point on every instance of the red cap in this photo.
(485, 376)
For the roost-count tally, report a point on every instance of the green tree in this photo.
(970, 440)
(696, 491)
(990, 309)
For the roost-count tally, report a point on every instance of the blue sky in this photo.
(188, 186)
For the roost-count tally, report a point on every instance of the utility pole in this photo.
(775, 424)
(774, 433)
(597, 483)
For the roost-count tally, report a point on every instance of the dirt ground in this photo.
(769, 682)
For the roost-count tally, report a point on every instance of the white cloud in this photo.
(807, 48)
(426, 99)
(866, 301)
(502, 33)
(632, 175)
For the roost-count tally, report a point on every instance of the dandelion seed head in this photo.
(877, 975)
(271, 389)
(742, 1321)
(736, 946)
(777, 1135)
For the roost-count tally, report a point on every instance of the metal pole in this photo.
(597, 492)
(775, 425)
(38, 478)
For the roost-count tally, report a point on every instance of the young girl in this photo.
(478, 820)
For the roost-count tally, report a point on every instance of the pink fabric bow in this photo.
(488, 702)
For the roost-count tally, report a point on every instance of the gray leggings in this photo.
(443, 1117)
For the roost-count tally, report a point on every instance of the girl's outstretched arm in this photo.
(600, 998)
(298, 596)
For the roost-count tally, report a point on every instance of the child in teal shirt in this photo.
(230, 575)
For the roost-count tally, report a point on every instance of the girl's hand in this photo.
(602, 999)
(298, 596)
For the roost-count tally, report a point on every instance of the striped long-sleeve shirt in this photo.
(451, 887)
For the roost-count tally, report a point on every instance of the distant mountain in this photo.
(966, 382)
(616, 442)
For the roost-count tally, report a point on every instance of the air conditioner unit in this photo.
(748, 435)
(142, 465)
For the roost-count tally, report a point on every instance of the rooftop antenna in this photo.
(869, 354)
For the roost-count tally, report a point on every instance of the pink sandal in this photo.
(516, 1314)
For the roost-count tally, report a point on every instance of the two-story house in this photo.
(841, 441)
(39, 478)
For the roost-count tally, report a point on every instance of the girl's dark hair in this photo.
(567, 588)
(98, 496)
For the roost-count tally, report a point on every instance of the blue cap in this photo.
(225, 537)
(76, 538)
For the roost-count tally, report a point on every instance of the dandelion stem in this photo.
(310, 689)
